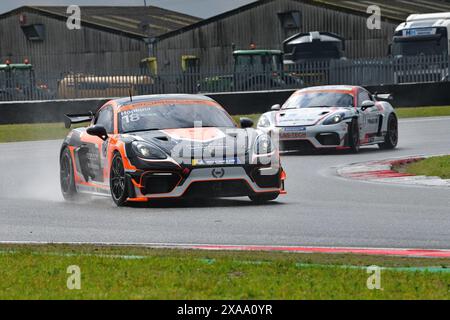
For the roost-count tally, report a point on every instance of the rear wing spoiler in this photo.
(77, 118)
(383, 96)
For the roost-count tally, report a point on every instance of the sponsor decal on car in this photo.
(293, 132)
(209, 162)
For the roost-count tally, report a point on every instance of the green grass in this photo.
(39, 272)
(423, 112)
(435, 166)
(32, 132)
(49, 131)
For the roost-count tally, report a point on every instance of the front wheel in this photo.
(391, 138)
(117, 181)
(263, 198)
(353, 136)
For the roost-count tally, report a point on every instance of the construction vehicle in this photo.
(308, 56)
(17, 82)
(271, 69)
(252, 70)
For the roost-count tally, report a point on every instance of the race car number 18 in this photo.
(131, 118)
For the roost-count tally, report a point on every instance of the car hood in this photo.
(204, 139)
(304, 116)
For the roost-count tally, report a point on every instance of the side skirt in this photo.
(93, 191)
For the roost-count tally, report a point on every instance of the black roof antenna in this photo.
(131, 94)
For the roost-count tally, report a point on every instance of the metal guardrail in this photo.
(99, 84)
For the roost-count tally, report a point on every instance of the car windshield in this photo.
(258, 63)
(319, 99)
(414, 48)
(420, 41)
(173, 115)
(15, 78)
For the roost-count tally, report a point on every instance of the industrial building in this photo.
(116, 39)
(267, 23)
(110, 38)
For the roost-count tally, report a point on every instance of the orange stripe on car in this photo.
(139, 105)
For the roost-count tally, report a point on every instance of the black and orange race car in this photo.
(168, 146)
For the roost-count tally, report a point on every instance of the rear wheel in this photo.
(391, 138)
(353, 136)
(263, 198)
(117, 181)
(66, 176)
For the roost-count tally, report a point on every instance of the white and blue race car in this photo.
(332, 117)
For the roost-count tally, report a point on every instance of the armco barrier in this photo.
(44, 111)
(405, 95)
(250, 102)
(416, 94)
(16, 112)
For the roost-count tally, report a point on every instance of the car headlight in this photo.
(263, 144)
(334, 119)
(148, 151)
(264, 122)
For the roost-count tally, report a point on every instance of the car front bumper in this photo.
(314, 137)
(205, 182)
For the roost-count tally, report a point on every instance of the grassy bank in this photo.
(40, 272)
(32, 132)
(423, 112)
(48, 131)
(435, 166)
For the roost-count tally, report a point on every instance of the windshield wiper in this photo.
(320, 107)
(307, 107)
(141, 130)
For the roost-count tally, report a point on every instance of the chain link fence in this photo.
(25, 82)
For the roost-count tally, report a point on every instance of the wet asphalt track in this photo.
(320, 208)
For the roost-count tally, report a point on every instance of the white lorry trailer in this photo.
(424, 35)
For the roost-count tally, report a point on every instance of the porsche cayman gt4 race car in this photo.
(333, 117)
(171, 146)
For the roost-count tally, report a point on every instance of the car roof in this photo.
(330, 88)
(151, 98)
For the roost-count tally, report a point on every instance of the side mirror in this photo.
(246, 123)
(275, 107)
(367, 104)
(98, 131)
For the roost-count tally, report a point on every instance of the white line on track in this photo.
(232, 247)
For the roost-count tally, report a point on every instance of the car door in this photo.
(92, 153)
(370, 118)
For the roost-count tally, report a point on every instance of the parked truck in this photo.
(422, 37)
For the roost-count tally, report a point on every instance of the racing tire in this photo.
(353, 136)
(117, 181)
(67, 177)
(264, 198)
(391, 138)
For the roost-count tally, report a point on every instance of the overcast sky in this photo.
(198, 8)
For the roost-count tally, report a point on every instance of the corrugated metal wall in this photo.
(66, 50)
(93, 50)
(212, 42)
